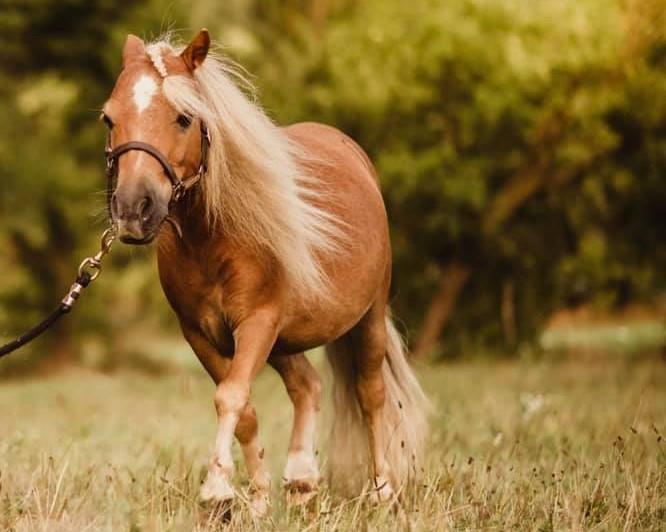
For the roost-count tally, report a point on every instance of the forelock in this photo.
(155, 52)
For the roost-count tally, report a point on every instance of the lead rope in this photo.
(88, 271)
(91, 267)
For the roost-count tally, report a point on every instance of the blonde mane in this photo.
(255, 188)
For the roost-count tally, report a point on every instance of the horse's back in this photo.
(325, 138)
(345, 185)
(340, 166)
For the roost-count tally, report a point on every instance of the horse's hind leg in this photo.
(357, 361)
(375, 389)
(369, 340)
(301, 474)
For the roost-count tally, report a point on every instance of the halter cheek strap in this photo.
(178, 185)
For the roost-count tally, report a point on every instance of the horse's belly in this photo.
(318, 328)
(318, 323)
(360, 272)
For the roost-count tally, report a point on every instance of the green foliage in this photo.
(523, 141)
(520, 141)
(59, 62)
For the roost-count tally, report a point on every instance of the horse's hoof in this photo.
(381, 491)
(259, 504)
(300, 491)
(300, 498)
(216, 489)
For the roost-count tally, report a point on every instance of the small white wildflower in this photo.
(532, 403)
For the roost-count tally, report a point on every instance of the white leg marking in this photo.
(217, 485)
(301, 473)
(260, 478)
(301, 465)
(381, 491)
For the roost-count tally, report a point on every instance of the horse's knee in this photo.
(231, 397)
(246, 428)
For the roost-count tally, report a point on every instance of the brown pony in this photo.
(279, 246)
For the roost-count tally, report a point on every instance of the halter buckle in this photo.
(178, 191)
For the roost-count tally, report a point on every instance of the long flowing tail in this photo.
(406, 411)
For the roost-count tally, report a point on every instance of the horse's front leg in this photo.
(254, 339)
(246, 431)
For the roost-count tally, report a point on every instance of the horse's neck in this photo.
(198, 239)
(190, 216)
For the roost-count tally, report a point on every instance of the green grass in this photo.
(631, 338)
(540, 446)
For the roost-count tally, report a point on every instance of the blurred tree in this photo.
(521, 149)
(491, 125)
(55, 72)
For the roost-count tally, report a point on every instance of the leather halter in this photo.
(178, 185)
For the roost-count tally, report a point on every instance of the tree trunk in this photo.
(528, 180)
(452, 279)
(514, 194)
(508, 314)
(318, 15)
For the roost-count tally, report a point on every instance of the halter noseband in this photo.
(178, 185)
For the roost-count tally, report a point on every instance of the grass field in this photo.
(515, 446)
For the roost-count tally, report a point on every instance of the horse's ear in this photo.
(133, 48)
(197, 50)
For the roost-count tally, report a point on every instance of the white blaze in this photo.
(143, 92)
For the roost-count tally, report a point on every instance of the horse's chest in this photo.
(198, 302)
(206, 313)
(216, 330)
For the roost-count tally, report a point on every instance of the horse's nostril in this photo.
(144, 208)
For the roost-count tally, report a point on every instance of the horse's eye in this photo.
(184, 121)
(107, 121)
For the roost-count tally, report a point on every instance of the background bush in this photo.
(521, 149)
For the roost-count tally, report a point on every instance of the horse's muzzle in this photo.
(136, 217)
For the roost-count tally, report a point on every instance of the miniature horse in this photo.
(277, 242)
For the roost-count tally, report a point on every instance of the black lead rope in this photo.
(81, 282)
(89, 270)
(91, 267)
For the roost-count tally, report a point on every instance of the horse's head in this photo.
(154, 151)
